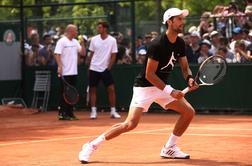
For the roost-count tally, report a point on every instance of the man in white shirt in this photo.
(103, 49)
(66, 56)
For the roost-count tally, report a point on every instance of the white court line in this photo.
(207, 135)
(137, 132)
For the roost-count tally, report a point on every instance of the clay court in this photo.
(28, 139)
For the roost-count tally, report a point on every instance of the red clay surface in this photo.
(28, 139)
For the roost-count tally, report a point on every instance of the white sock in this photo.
(96, 142)
(93, 109)
(113, 109)
(172, 140)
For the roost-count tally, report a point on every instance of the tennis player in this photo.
(149, 87)
(66, 55)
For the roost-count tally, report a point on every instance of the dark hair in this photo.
(46, 36)
(104, 24)
(171, 18)
(223, 49)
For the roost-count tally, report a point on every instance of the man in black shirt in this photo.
(149, 87)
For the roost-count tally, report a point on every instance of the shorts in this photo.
(95, 77)
(143, 97)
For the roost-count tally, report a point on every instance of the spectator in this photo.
(154, 35)
(241, 55)
(31, 52)
(204, 53)
(103, 49)
(195, 40)
(141, 56)
(45, 56)
(249, 48)
(188, 49)
(204, 26)
(66, 56)
(215, 41)
(225, 45)
(83, 39)
(224, 53)
(237, 35)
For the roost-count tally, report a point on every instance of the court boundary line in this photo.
(139, 132)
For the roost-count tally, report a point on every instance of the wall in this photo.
(233, 93)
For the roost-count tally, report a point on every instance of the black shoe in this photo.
(73, 118)
(63, 117)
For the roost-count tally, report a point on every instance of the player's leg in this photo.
(64, 107)
(109, 83)
(129, 124)
(94, 78)
(170, 150)
(186, 111)
(69, 111)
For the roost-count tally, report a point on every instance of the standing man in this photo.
(150, 86)
(66, 56)
(103, 49)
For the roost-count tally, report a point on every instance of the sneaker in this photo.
(173, 152)
(115, 115)
(93, 114)
(85, 153)
(73, 117)
(63, 117)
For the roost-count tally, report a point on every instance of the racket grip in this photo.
(184, 91)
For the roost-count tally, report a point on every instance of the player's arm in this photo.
(83, 49)
(150, 75)
(112, 60)
(186, 71)
(59, 63)
(90, 58)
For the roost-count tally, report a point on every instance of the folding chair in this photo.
(41, 89)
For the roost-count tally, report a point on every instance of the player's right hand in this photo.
(59, 71)
(177, 94)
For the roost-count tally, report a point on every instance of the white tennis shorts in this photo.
(143, 97)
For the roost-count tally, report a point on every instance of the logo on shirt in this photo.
(171, 62)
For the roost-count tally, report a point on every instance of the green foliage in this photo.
(145, 10)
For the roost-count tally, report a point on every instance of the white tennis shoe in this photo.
(93, 114)
(85, 153)
(115, 115)
(173, 152)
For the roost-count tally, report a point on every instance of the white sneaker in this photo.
(87, 150)
(173, 152)
(115, 115)
(93, 114)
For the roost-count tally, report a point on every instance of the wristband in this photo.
(188, 77)
(168, 89)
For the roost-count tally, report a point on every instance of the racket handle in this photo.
(185, 90)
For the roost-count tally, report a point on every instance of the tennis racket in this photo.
(70, 93)
(210, 72)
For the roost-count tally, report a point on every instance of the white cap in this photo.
(195, 33)
(174, 12)
(85, 37)
(142, 52)
(250, 33)
(213, 33)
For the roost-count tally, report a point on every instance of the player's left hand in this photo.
(192, 84)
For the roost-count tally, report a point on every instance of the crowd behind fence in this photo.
(225, 31)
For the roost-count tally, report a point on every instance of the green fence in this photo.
(234, 93)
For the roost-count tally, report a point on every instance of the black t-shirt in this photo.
(166, 53)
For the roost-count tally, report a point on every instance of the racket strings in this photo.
(213, 71)
(71, 95)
